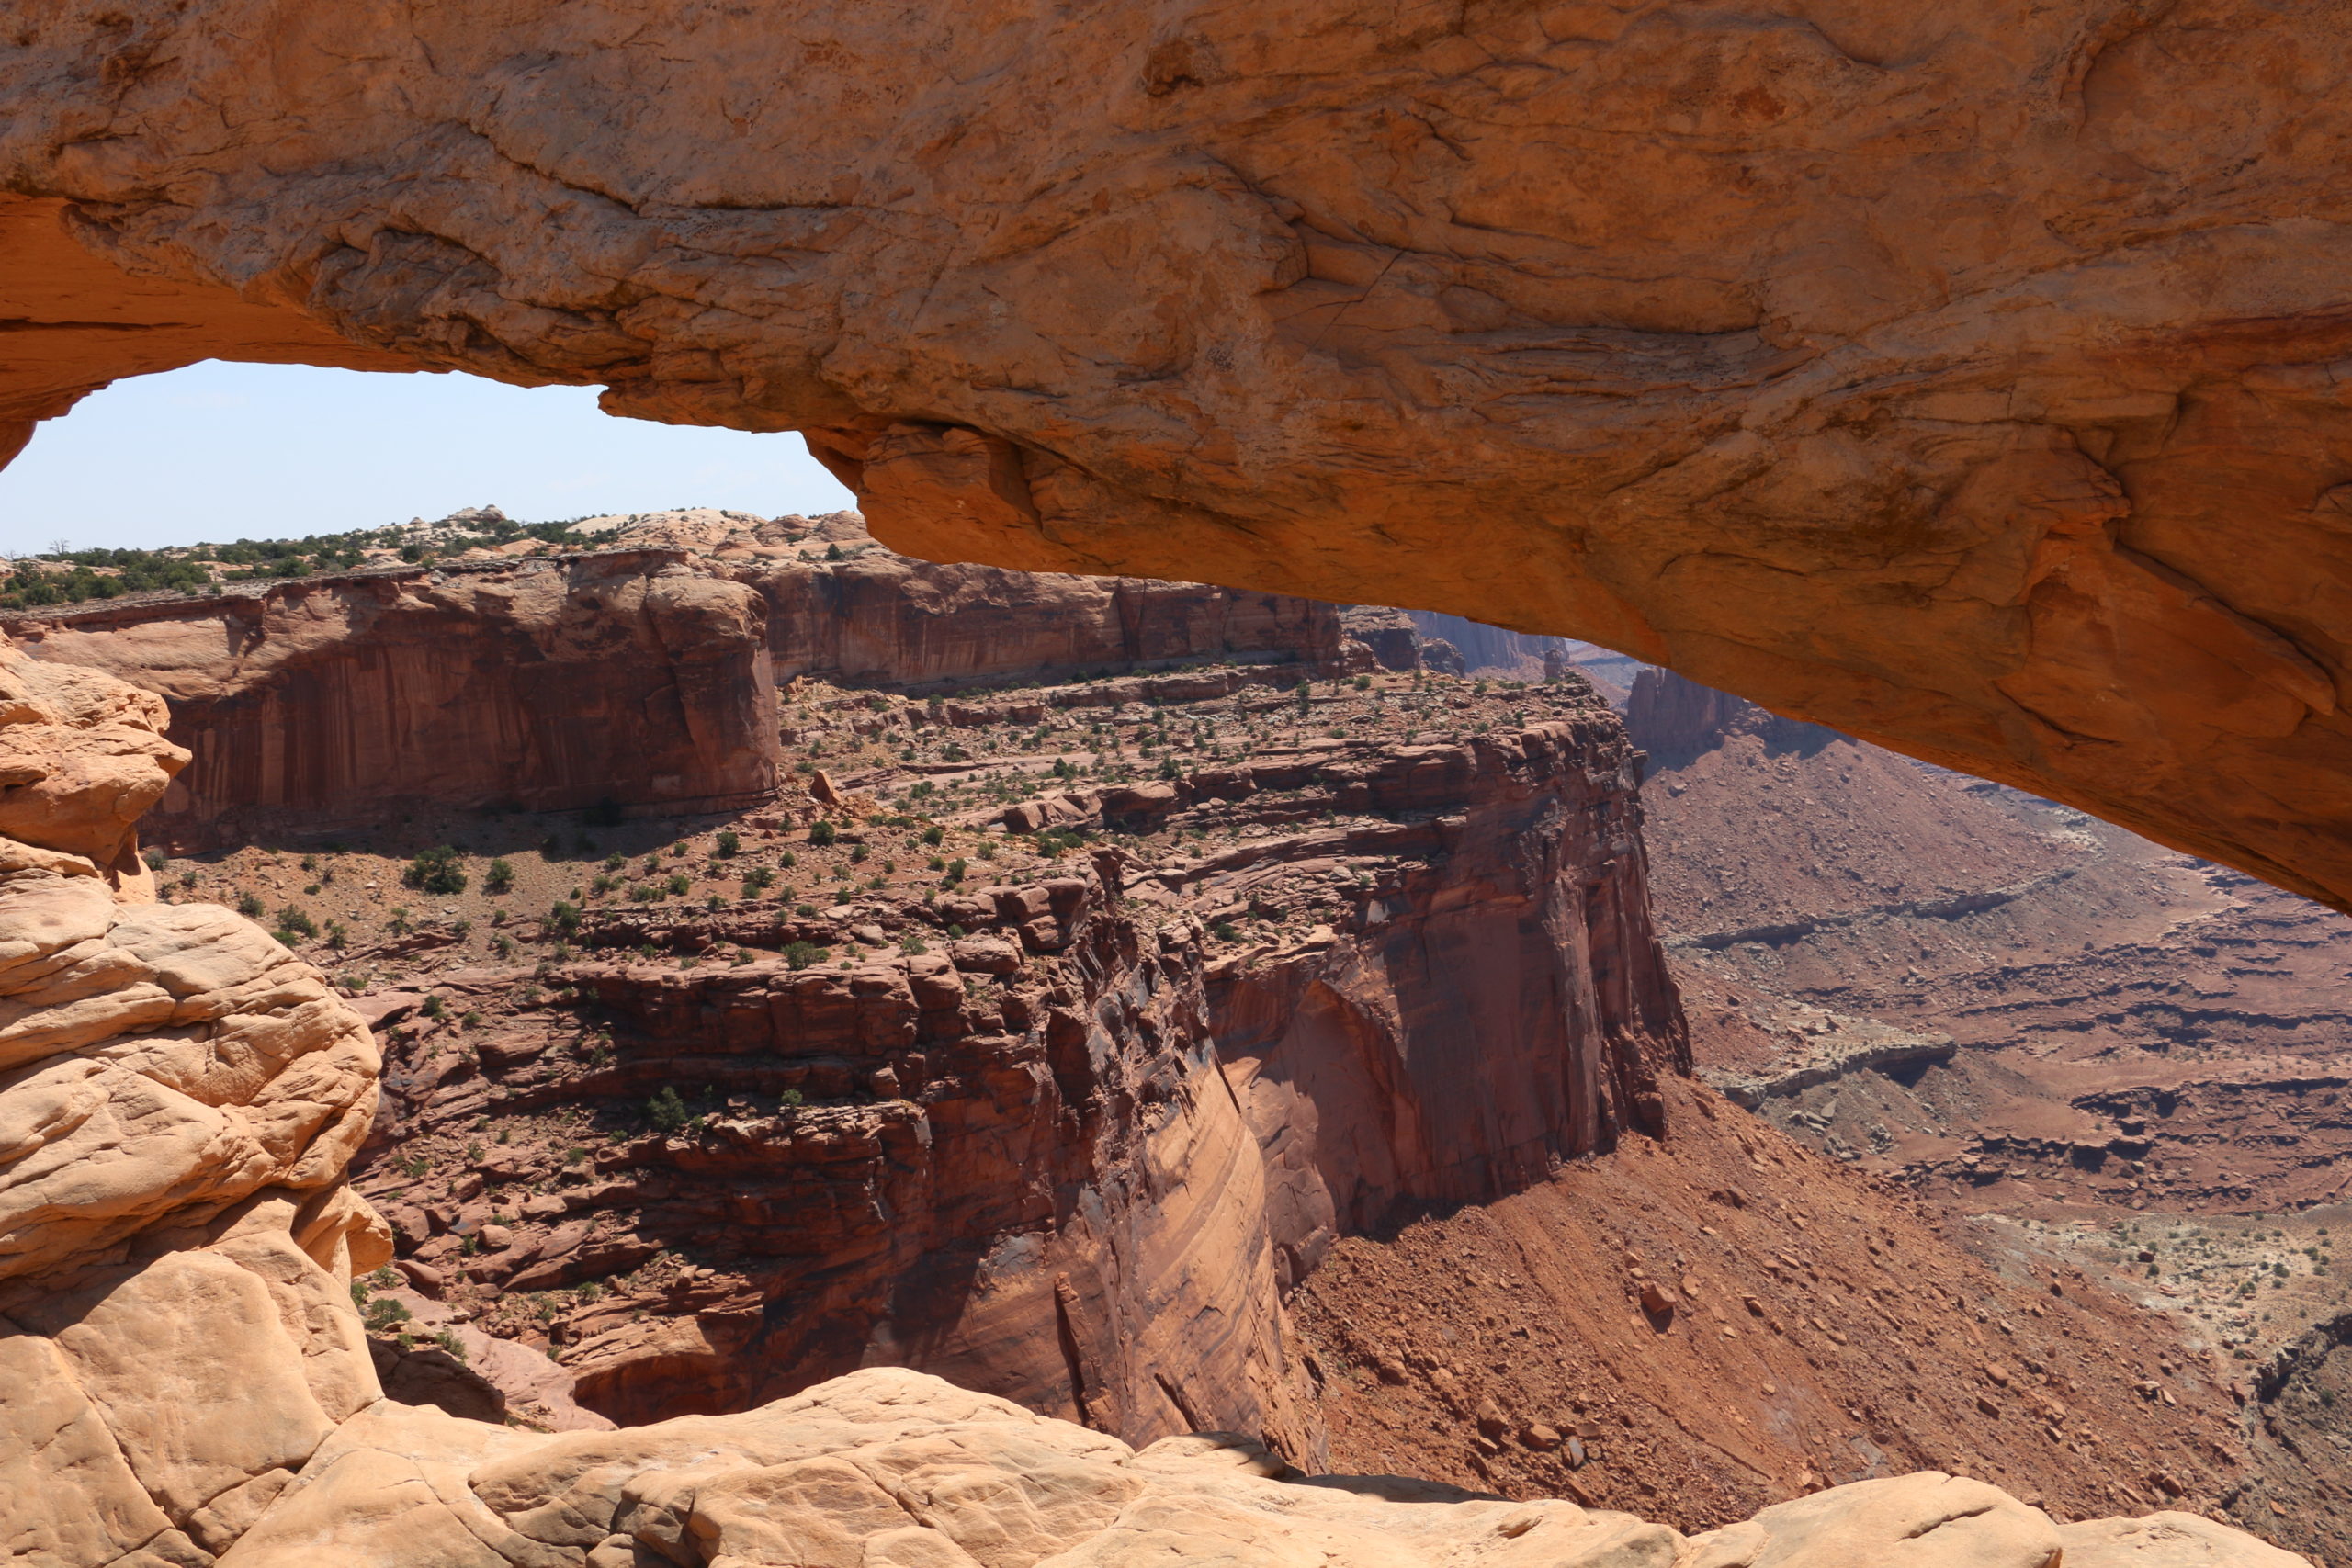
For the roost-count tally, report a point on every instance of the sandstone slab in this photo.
(889, 1467)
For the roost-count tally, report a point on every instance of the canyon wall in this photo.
(1059, 1140)
(641, 677)
(1677, 720)
(1485, 648)
(337, 704)
(1008, 1160)
(189, 1381)
(1484, 1015)
(884, 618)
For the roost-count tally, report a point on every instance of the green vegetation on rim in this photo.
(75, 577)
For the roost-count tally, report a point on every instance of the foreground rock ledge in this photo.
(1968, 377)
(892, 1469)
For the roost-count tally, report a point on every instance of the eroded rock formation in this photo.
(641, 676)
(1005, 1156)
(187, 1379)
(892, 1469)
(338, 703)
(1962, 377)
(997, 1160)
(178, 1097)
(881, 617)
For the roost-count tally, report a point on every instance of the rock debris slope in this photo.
(1967, 376)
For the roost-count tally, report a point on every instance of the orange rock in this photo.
(350, 699)
(1865, 388)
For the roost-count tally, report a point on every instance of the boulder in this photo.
(2167, 1539)
(1924, 1521)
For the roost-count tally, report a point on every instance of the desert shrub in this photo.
(666, 1111)
(436, 870)
(383, 1315)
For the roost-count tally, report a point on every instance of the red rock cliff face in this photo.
(644, 677)
(1008, 1160)
(1497, 1003)
(1063, 1152)
(892, 619)
(338, 701)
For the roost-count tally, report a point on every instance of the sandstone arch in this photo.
(1966, 376)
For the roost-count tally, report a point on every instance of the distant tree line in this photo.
(109, 574)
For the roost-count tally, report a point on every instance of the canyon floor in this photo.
(2087, 1049)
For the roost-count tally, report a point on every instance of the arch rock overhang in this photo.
(1976, 378)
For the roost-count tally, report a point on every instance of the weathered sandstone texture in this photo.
(81, 756)
(892, 1469)
(178, 1098)
(339, 703)
(1966, 376)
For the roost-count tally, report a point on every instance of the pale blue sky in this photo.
(219, 452)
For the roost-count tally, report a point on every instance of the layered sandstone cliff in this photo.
(1007, 1158)
(884, 618)
(338, 704)
(1067, 1144)
(1677, 721)
(1962, 377)
(640, 676)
